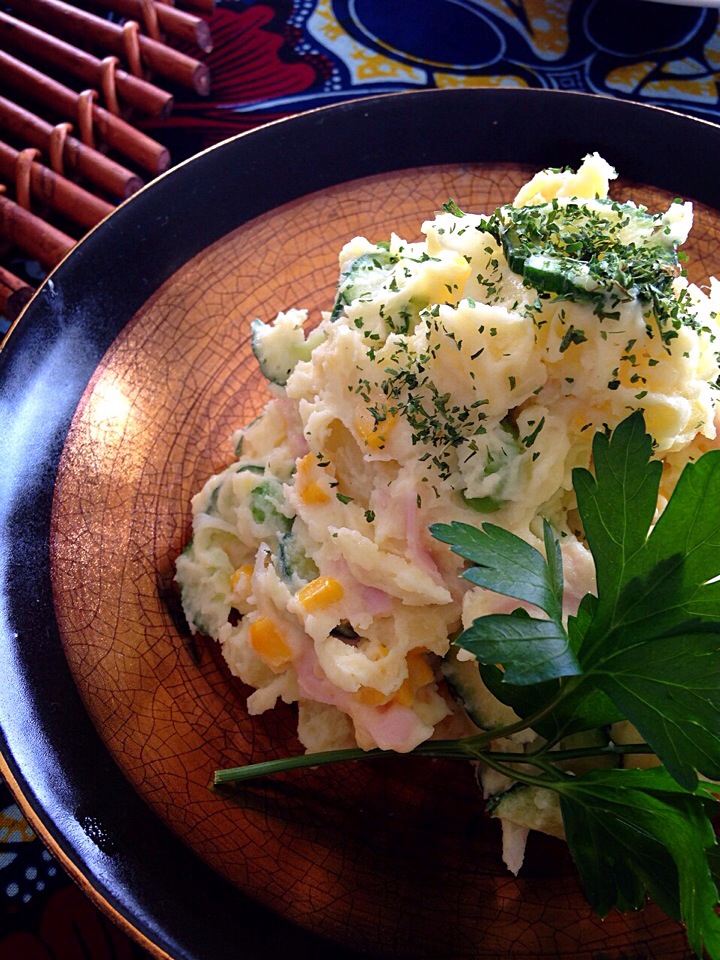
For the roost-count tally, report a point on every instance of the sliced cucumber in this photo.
(483, 504)
(363, 277)
(590, 249)
(281, 345)
(291, 562)
(528, 806)
(467, 687)
(265, 502)
(494, 469)
(187, 559)
(212, 504)
(561, 275)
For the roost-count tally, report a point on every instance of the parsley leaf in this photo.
(507, 564)
(618, 504)
(579, 710)
(532, 650)
(646, 648)
(636, 831)
(686, 539)
(451, 207)
(653, 639)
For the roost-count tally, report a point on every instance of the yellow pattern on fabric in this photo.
(364, 64)
(687, 67)
(545, 27)
(712, 50)
(548, 19)
(13, 826)
(702, 90)
(455, 80)
(685, 79)
(627, 78)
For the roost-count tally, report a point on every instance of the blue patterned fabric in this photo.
(288, 57)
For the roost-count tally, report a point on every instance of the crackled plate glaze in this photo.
(119, 388)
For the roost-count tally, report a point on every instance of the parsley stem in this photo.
(576, 753)
(544, 756)
(521, 775)
(253, 770)
(463, 749)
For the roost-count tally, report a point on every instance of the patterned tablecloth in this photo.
(278, 57)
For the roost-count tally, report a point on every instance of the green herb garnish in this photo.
(606, 253)
(645, 648)
(451, 207)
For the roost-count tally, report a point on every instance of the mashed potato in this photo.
(457, 378)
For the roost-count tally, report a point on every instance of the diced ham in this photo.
(389, 727)
(361, 600)
(293, 426)
(375, 601)
(417, 552)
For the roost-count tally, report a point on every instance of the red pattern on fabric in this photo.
(252, 60)
(246, 62)
(25, 945)
(70, 928)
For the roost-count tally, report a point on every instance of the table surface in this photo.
(275, 58)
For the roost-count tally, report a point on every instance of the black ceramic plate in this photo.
(80, 765)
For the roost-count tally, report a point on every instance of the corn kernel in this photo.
(269, 643)
(419, 675)
(375, 433)
(246, 570)
(309, 490)
(405, 695)
(313, 493)
(419, 670)
(371, 696)
(320, 593)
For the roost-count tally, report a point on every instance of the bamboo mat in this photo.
(77, 81)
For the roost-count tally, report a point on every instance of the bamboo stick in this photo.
(174, 22)
(90, 29)
(134, 91)
(41, 240)
(14, 294)
(79, 159)
(115, 132)
(55, 191)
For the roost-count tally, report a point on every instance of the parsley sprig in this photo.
(645, 647)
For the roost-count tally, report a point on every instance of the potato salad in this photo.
(461, 377)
